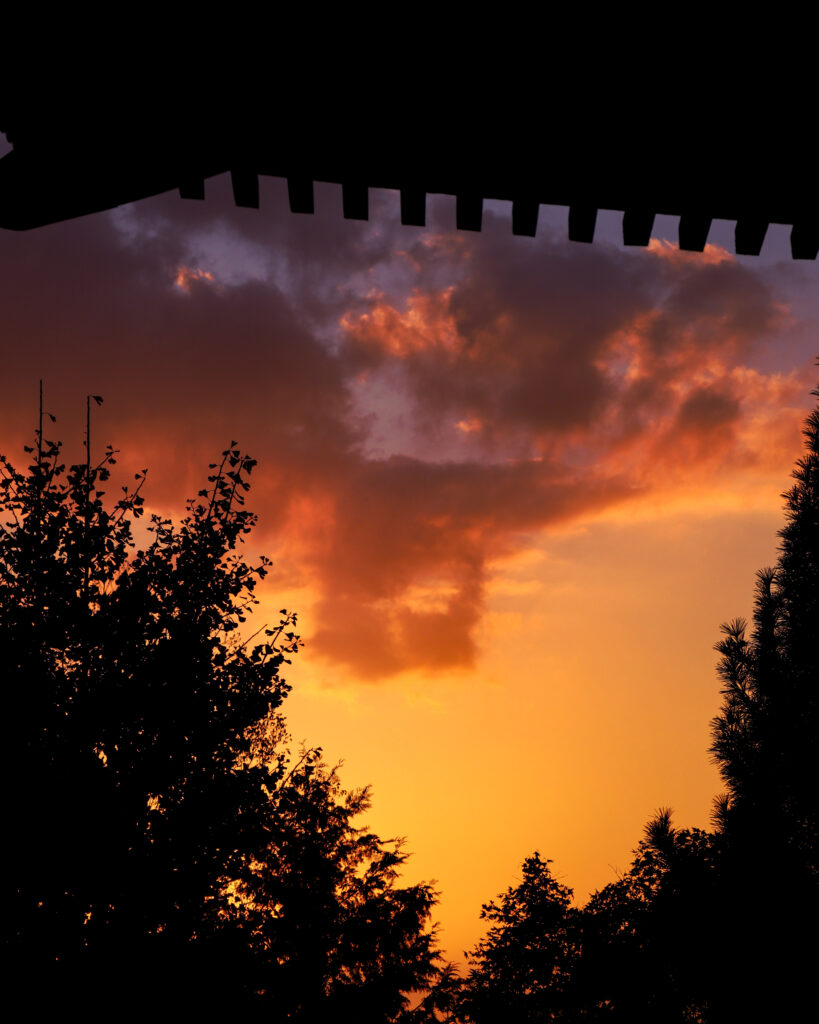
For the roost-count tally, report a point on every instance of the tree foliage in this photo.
(765, 737)
(626, 956)
(766, 745)
(165, 849)
(523, 969)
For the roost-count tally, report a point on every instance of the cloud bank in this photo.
(420, 402)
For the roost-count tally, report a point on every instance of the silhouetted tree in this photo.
(766, 744)
(524, 968)
(765, 737)
(441, 1000)
(646, 954)
(632, 954)
(163, 848)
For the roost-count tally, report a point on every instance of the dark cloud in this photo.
(532, 323)
(707, 409)
(183, 370)
(723, 304)
(411, 539)
(200, 324)
(544, 339)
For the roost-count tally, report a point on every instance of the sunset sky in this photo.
(512, 486)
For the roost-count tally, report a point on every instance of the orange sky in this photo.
(513, 487)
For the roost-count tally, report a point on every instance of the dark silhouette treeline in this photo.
(705, 926)
(164, 852)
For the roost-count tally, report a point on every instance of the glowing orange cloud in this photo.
(712, 254)
(531, 398)
(425, 323)
(186, 276)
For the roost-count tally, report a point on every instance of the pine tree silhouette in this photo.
(766, 744)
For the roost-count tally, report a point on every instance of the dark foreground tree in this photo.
(765, 737)
(635, 953)
(524, 969)
(162, 848)
(647, 954)
(766, 744)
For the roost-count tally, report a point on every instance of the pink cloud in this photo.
(572, 377)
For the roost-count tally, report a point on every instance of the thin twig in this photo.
(216, 482)
(243, 645)
(130, 499)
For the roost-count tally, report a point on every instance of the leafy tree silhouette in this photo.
(165, 851)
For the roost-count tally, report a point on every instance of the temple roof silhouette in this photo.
(73, 158)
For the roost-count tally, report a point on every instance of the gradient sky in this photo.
(513, 486)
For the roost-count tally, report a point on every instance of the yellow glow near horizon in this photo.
(588, 708)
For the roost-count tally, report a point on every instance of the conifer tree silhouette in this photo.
(524, 968)
(766, 744)
(764, 739)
